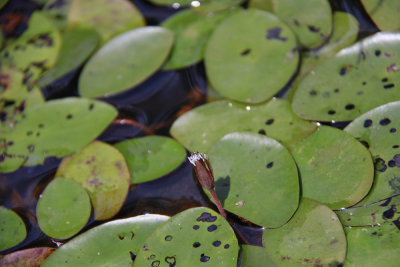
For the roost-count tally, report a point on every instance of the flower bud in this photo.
(203, 169)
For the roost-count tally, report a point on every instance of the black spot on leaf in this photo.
(343, 71)
(388, 86)
(377, 53)
(196, 244)
(171, 261)
(195, 227)
(336, 90)
(133, 256)
(331, 112)
(275, 33)
(168, 238)
(365, 143)
(206, 217)
(269, 122)
(31, 148)
(384, 80)
(226, 246)
(313, 92)
(155, 264)
(262, 131)
(204, 258)
(367, 123)
(349, 106)
(386, 203)
(312, 28)
(270, 165)
(69, 116)
(380, 165)
(245, 52)
(384, 121)
(391, 163)
(395, 146)
(216, 243)
(388, 214)
(212, 227)
(393, 130)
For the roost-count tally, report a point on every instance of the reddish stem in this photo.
(219, 206)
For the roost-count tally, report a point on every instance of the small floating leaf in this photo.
(314, 236)
(243, 53)
(379, 130)
(125, 61)
(255, 178)
(30, 257)
(102, 171)
(12, 229)
(254, 256)
(194, 237)
(115, 243)
(346, 86)
(373, 246)
(384, 13)
(151, 157)
(200, 128)
(335, 168)
(63, 208)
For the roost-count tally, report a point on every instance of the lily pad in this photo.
(63, 208)
(335, 168)
(373, 214)
(102, 171)
(314, 236)
(255, 178)
(254, 256)
(194, 237)
(200, 128)
(373, 246)
(36, 50)
(384, 13)
(346, 86)
(115, 243)
(125, 61)
(108, 18)
(151, 157)
(378, 130)
(56, 128)
(192, 32)
(200, 6)
(12, 229)
(243, 53)
(31, 257)
(57, 12)
(77, 46)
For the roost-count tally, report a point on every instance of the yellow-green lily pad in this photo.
(254, 256)
(384, 13)
(12, 229)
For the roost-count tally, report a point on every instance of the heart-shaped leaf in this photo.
(12, 229)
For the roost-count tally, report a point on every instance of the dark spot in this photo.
(296, 22)
(312, 28)
(31, 148)
(313, 92)
(331, 112)
(152, 257)
(275, 33)
(269, 122)
(386, 203)
(384, 121)
(269, 165)
(336, 90)
(388, 86)
(360, 92)
(206, 217)
(121, 237)
(394, 183)
(349, 106)
(10, 143)
(195, 227)
(365, 143)
(343, 71)
(396, 159)
(212, 227)
(91, 106)
(262, 132)
(40, 125)
(364, 83)
(393, 130)
(377, 53)
(367, 123)
(155, 264)
(168, 238)
(28, 133)
(133, 256)
(196, 244)
(397, 223)
(245, 52)
(362, 55)
(388, 214)
(204, 258)
(132, 235)
(384, 80)
(69, 116)
(226, 246)
(395, 146)
(216, 243)
(374, 233)
(37, 134)
(380, 165)
(171, 261)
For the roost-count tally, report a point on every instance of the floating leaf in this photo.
(373, 246)
(30, 257)
(335, 168)
(255, 178)
(384, 13)
(77, 46)
(192, 32)
(378, 130)
(125, 61)
(346, 86)
(243, 53)
(194, 237)
(151, 157)
(314, 236)
(254, 256)
(57, 12)
(202, 6)
(115, 243)
(12, 229)
(56, 128)
(102, 171)
(108, 18)
(63, 208)
(202, 127)
(373, 214)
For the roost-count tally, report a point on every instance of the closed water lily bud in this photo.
(203, 169)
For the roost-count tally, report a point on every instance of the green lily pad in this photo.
(200, 6)
(378, 130)
(254, 256)
(12, 229)
(151, 157)
(30, 257)
(56, 128)
(77, 46)
(125, 61)
(194, 237)
(115, 243)
(373, 214)
(373, 246)
(108, 18)
(243, 53)
(314, 236)
(346, 86)
(192, 32)
(102, 171)
(63, 208)
(36, 50)
(255, 178)
(384, 13)
(335, 168)
(57, 12)
(200, 128)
